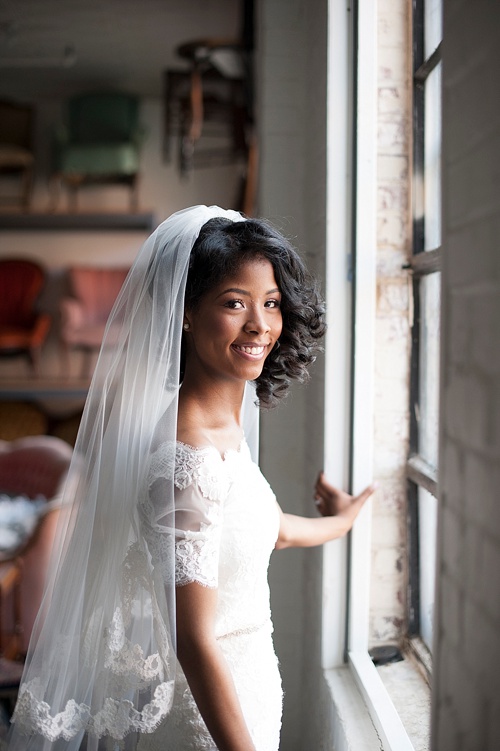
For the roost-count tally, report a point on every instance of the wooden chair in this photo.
(16, 148)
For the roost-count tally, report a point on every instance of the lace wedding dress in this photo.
(226, 527)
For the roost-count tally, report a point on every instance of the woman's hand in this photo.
(331, 501)
(338, 509)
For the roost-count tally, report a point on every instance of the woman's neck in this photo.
(210, 413)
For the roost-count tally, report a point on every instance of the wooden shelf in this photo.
(35, 389)
(144, 221)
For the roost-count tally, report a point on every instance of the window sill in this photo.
(406, 691)
(352, 728)
(410, 694)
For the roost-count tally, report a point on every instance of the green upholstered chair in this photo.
(100, 143)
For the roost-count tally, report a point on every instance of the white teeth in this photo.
(252, 350)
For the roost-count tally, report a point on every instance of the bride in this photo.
(155, 631)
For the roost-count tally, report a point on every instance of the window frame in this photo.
(351, 281)
(420, 474)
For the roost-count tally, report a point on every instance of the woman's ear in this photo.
(185, 324)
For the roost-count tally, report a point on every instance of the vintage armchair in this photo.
(16, 148)
(22, 328)
(33, 467)
(84, 314)
(100, 143)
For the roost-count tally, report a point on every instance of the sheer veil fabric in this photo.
(101, 664)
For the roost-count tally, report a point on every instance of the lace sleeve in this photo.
(200, 485)
(197, 537)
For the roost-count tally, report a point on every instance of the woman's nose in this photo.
(257, 323)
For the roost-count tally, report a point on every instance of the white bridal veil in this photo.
(101, 666)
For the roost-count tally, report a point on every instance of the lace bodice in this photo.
(226, 526)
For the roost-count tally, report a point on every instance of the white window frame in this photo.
(352, 193)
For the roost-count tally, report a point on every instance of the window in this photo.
(378, 58)
(425, 269)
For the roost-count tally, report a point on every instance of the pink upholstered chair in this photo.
(34, 466)
(85, 313)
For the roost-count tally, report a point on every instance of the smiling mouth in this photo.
(250, 350)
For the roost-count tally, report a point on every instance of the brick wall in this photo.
(387, 605)
(466, 713)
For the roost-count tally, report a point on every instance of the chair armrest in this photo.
(41, 328)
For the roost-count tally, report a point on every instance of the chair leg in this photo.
(34, 354)
(86, 371)
(27, 185)
(73, 199)
(134, 194)
(54, 193)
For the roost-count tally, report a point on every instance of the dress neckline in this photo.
(209, 447)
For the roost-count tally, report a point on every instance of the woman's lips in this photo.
(251, 350)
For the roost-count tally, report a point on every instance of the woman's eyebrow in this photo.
(245, 292)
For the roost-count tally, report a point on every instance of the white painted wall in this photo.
(467, 671)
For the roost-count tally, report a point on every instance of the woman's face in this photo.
(235, 325)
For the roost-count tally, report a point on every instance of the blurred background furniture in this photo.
(35, 467)
(16, 150)
(22, 328)
(100, 143)
(84, 314)
(209, 108)
(207, 99)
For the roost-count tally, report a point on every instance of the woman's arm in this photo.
(206, 669)
(338, 510)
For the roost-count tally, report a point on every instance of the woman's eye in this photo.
(234, 304)
(273, 304)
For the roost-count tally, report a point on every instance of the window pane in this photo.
(432, 160)
(430, 295)
(427, 523)
(433, 21)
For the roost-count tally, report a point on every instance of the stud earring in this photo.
(185, 326)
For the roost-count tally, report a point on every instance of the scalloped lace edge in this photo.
(117, 718)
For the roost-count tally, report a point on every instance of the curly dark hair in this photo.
(222, 246)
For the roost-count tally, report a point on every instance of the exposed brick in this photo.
(392, 168)
(393, 135)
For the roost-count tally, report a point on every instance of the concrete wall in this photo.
(281, 116)
(467, 669)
